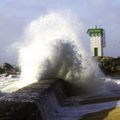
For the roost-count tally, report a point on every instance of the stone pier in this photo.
(38, 101)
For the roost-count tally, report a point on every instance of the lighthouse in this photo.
(97, 41)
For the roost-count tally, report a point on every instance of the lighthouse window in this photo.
(95, 51)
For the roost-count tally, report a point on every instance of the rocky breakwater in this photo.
(109, 65)
(38, 101)
(8, 69)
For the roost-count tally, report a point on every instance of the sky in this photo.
(16, 14)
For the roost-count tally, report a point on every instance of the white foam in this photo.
(52, 49)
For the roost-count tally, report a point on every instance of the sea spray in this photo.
(52, 49)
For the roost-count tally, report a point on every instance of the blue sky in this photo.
(14, 15)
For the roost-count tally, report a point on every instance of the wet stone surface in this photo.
(34, 102)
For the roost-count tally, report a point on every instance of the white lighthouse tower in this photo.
(97, 41)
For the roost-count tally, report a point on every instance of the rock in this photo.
(8, 69)
(109, 65)
(2, 70)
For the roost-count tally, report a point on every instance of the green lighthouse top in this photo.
(95, 31)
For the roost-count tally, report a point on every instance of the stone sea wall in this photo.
(39, 101)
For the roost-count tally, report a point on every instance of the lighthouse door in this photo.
(95, 51)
